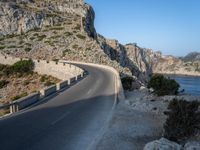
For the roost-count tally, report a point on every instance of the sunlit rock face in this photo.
(64, 29)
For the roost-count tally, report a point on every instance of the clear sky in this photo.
(170, 26)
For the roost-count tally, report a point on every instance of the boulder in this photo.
(192, 146)
(162, 144)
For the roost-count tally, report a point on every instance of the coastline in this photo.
(179, 74)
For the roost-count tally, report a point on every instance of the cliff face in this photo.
(173, 65)
(191, 57)
(138, 60)
(56, 29)
(64, 29)
(20, 16)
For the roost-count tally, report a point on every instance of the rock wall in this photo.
(59, 70)
(20, 16)
(173, 65)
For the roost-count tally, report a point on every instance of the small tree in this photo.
(23, 66)
(127, 83)
(3, 83)
(183, 120)
(163, 86)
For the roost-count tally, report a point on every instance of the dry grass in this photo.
(23, 84)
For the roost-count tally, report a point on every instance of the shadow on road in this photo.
(62, 126)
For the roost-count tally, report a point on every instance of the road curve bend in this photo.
(70, 120)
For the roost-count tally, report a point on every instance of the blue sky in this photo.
(170, 26)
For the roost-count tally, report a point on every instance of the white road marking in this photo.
(60, 118)
(89, 92)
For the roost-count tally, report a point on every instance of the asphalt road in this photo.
(70, 120)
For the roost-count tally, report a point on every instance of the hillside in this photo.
(188, 65)
(193, 56)
(64, 29)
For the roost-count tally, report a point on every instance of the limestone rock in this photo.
(64, 29)
(192, 146)
(162, 144)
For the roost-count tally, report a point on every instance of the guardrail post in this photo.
(11, 108)
(14, 108)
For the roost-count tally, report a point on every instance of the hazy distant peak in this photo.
(193, 56)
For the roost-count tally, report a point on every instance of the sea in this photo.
(190, 84)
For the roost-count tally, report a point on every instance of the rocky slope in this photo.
(191, 57)
(189, 65)
(64, 29)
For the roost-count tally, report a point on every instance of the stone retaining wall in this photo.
(61, 71)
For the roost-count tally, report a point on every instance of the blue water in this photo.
(190, 84)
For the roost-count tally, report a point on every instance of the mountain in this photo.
(193, 56)
(64, 29)
(189, 65)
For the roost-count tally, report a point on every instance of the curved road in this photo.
(69, 121)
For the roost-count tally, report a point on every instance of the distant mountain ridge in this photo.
(193, 56)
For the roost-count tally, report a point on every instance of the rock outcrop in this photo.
(191, 57)
(162, 144)
(64, 29)
(193, 145)
(173, 65)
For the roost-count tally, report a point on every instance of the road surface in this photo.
(70, 120)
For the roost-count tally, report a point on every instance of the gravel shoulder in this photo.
(136, 121)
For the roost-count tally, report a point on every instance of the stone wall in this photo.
(61, 71)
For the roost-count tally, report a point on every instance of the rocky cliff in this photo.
(64, 29)
(182, 66)
(191, 57)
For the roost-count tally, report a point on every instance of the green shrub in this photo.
(2, 67)
(27, 49)
(32, 38)
(78, 27)
(127, 83)
(80, 36)
(5, 70)
(23, 66)
(3, 83)
(19, 96)
(28, 44)
(65, 52)
(12, 46)
(48, 83)
(26, 82)
(57, 28)
(41, 37)
(68, 34)
(163, 86)
(55, 37)
(183, 120)
(75, 46)
(43, 78)
(2, 47)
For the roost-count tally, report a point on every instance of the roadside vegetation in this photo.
(163, 86)
(19, 80)
(20, 67)
(3, 83)
(183, 120)
(127, 83)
